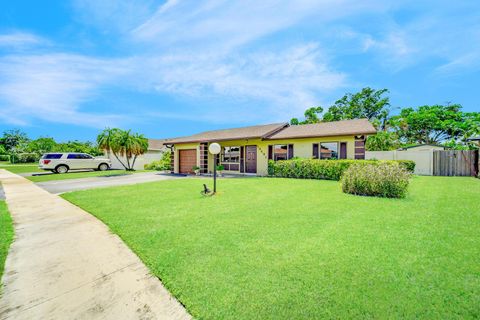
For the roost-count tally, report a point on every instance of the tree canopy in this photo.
(123, 143)
(368, 103)
(433, 124)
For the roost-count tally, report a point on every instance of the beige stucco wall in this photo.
(148, 157)
(423, 159)
(302, 149)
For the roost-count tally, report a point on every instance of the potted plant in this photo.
(196, 169)
(220, 169)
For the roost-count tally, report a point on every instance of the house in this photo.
(247, 150)
(155, 150)
(475, 140)
(423, 147)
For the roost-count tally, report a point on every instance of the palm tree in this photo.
(123, 143)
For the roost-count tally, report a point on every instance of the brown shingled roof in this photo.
(277, 131)
(252, 132)
(326, 129)
(156, 144)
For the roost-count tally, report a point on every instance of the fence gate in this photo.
(455, 163)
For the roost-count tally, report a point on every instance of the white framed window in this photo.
(280, 152)
(328, 150)
(231, 154)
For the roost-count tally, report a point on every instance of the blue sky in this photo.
(167, 68)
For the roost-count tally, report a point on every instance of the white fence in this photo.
(423, 159)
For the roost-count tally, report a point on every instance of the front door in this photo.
(251, 159)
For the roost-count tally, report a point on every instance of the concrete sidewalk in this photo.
(65, 264)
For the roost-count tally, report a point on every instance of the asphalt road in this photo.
(61, 186)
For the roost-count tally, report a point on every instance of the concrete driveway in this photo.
(61, 186)
(65, 264)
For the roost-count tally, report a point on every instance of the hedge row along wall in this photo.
(323, 169)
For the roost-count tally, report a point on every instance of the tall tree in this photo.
(42, 145)
(368, 103)
(435, 124)
(312, 115)
(13, 138)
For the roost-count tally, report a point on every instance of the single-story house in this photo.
(247, 150)
(155, 150)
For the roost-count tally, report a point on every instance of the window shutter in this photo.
(242, 159)
(315, 151)
(270, 152)
(290, 151)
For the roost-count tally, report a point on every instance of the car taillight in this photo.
(46, 161)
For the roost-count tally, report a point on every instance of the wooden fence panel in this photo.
(455, 163)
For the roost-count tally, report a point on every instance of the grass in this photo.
(6, 234)
(33, 168)
(20, 168)
(301, 249)
(78, 175)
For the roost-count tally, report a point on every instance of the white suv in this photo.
(62, 162)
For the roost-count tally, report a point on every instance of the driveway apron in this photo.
(66, 264)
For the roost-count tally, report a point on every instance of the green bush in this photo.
(323, 169)
(385, 179)
(4, 157)
(24, 157)
(160, 165)
(408, 165)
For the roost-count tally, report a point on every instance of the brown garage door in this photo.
(188, 159)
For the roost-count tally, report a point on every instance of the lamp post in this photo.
(214, 149)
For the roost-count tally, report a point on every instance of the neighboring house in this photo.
(475, 139)
(248, 149)
(423, 147)
(155, 150)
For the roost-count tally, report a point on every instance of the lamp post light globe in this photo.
(214, 148)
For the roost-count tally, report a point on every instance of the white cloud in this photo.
(53, 87)
(20, 40)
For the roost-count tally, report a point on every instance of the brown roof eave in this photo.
(210, 140)
(325, 135)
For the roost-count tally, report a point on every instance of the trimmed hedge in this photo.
(323, 169)
(386, 179)
(4, 157)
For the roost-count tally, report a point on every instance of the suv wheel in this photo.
(103, 167)
(61, 169)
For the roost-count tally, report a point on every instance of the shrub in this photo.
(4, 157)
(24, 157)
(408, 165)
(160, 165)
(385, 179)
(322, 169)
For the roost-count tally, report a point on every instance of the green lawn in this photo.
(33, 168)
(78, 175)
(6, 234)
(20, 168)
(301, 249)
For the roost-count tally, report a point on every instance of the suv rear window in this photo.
(52, 156)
